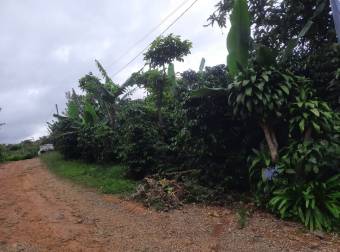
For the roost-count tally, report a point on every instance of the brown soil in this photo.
(40, 212)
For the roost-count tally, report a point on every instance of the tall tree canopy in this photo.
(276, 22)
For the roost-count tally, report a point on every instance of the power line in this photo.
(165, 30)
(148, 34)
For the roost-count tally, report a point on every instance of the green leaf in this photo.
(108, 80)
(240, 98)
(202, 64)
(333, 210)
(265, 77)
(316, 127)
(283, 202)
(302, 125)
(259, 95)
(285, 89)
(260, 86)
(315, 112)
(301, 215)
(255, 162)
(299, 104)
(245, 82)
(312, 160)
(238, 39)
(249, 91)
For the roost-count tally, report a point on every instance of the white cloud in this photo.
(40, 130)
(47, 46)
(33, 92)
(62, 53)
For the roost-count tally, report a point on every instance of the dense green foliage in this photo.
(14, 152)
(164, 50)
(2, 153)
(267, 123)
(106, 178)
(138, 139)
(315, 203)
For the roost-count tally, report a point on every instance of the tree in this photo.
(162, 52)
(276, 22)
(262, 88)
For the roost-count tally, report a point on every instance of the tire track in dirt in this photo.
(40, 212)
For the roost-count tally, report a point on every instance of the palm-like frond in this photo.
(107, 78)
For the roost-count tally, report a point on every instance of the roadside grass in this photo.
(15, 152)
(105, 178)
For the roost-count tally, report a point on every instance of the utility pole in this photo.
(56, 107)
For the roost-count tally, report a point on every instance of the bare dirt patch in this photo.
(41, 212)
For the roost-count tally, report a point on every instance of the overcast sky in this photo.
(47, 46)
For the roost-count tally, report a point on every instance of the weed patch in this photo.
(106, 178)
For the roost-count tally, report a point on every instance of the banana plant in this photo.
(106, 94)
(100, 99)
(238, 40)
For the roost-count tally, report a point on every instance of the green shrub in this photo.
(209, 139)
(24, 150)
(96, 143)
(65, 138)
(304, 184)
(2, 153)
(139, 138)
(310, 117)
(316, 204)
(13, 147)
(262, 172)
(260, 93)
(310, 160)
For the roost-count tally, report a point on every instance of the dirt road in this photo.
(41, 212)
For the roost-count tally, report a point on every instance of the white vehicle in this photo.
(45, 148)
